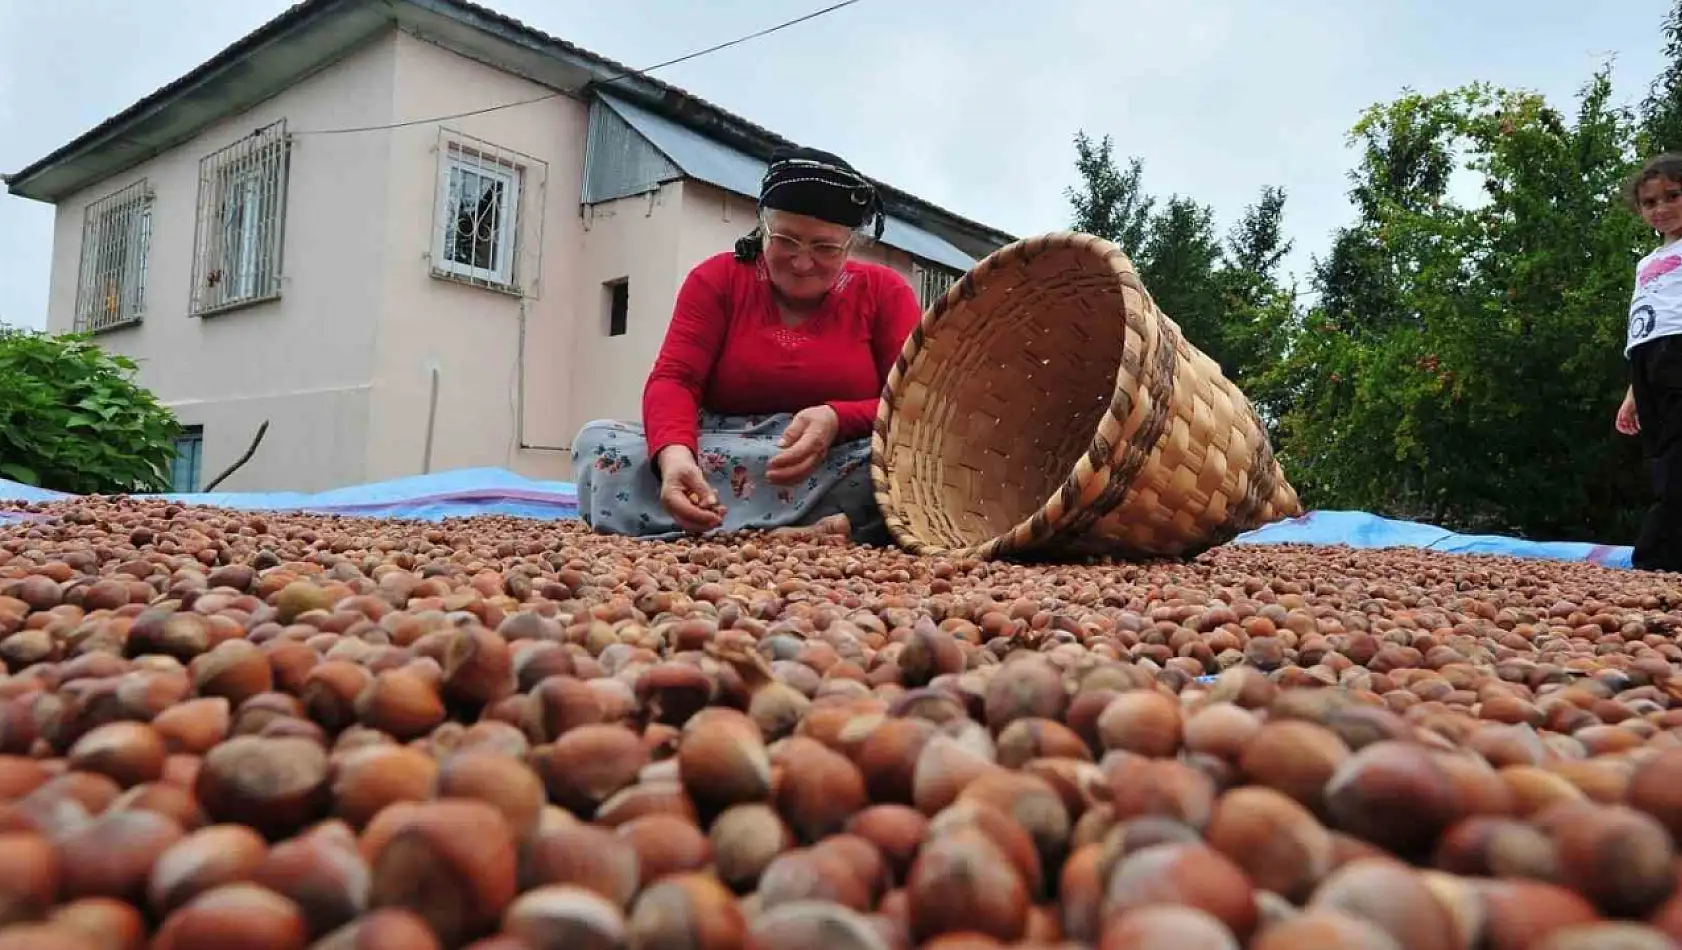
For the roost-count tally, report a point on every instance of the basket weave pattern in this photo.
(1045, 408)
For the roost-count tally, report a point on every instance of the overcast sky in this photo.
(971, 104)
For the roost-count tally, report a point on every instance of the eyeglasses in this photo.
(824, 252)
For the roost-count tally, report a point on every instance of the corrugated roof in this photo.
(717, 164)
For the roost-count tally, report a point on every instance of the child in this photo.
(1653, 347)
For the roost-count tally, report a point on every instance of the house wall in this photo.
(302, 361)
(472, 335)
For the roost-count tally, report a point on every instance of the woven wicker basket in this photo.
(1045, 409)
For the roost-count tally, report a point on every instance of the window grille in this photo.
(241, 221)
(488, 225)
(111, 279)
(931, 282)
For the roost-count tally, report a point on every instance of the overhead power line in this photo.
(624, 75)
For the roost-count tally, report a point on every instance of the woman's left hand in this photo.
(804, 444)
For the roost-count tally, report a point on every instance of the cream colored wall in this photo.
(637, 239)
(302, 361)
(471, 334)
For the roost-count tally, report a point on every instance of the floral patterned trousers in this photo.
(619, 492)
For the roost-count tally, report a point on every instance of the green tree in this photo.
(1225, 297)
(1260, 316)
(73, 419)
(1110, 202)
(1464, 360)
(1661, 111)
(1178, 265)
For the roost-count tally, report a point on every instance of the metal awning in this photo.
(722, 166)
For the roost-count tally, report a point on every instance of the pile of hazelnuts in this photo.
(264, 731)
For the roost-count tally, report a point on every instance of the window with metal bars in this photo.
(478, 216)
(111, 279)
(931, 282)
(241, 221)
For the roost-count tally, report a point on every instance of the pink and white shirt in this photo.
(1656, 309)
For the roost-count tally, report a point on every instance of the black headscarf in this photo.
(817, 184)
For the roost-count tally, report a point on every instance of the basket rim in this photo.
(1053, 515)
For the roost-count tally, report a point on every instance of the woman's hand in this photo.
(804, 444)
(1628, 423)
(685, 493)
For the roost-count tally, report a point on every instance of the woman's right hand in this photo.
(685, 493)
(1628, 422)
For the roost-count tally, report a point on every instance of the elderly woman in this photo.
(758, 410)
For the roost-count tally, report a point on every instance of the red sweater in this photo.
(728, 351)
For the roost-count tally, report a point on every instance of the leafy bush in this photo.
(72, 418)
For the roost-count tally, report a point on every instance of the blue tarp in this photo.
(434, 497)
(1358, 529)
(478, 491)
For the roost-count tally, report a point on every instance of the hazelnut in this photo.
(207, 858)
(666, 845)
(586, 856)
(128, 753)
(814, 925)
(582, 768)
(1143, 722)
(1192, 875)
(820, 789)
(559, 917)
(234, 914)
(1392, 896)
(888, 758)
(321, 871)
(101, 923)
(1221, 729)
(29, 877)
(806, 874)
(478, 668)
(507, 783)
(452, 862)
(389, 928)
(960, 881)
(896, 831)
(1393, 794)
(1273, 838)
(686, 912)
(1322, 928)
(1179, 926)
(275, 786)
(400, 702)
(113, 855)
(235, 670)
(195, 726)
(1027, 686)
(559, 704)
(745, 839)
(1295, 757)
(722, 760)
(365, 781)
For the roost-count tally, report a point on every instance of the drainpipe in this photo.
(431, 419)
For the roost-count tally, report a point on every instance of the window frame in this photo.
(194, 435)
(119, 219)
(247, 180)
(611, 290)
(460, 158)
